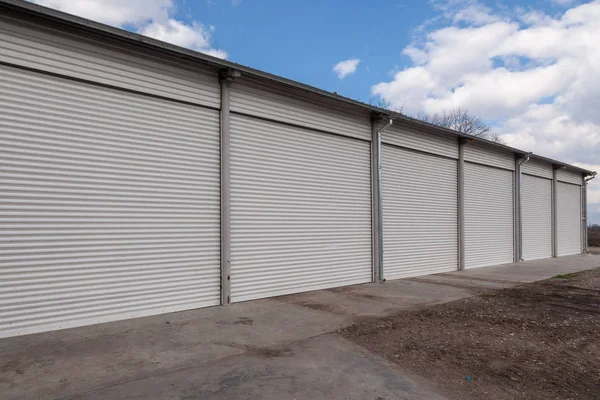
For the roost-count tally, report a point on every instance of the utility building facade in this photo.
(139, 178)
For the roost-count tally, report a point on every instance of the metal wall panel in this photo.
(300, 210)
(427, 142)
(109, 204)
(482, 154)
(255, 98)
(568, 201)
(537, 217)
(489, 216)
(74, 56)
(573, 177)
(537, 168)
(420, 221)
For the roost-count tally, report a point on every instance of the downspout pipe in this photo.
(380, 200)
(555, 169)
(520, 202)
(585, 228)
(226, 77)
(461, 202)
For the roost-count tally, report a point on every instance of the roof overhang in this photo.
(41, 13)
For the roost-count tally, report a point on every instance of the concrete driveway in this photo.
(280, 348)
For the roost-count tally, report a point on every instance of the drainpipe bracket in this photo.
(228, 75)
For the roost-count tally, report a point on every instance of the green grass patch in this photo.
(490, 295)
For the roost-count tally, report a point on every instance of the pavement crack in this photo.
(471, 288)
(475, 278)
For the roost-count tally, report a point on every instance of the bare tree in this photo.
(463, 122)
(380, 103)
(459, 120)
(385, 104)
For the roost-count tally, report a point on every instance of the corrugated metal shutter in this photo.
(109, 204)
(573, 177)
(420, 222)
(67, 54)
(264, 100)
(489, 217)
(568, 202)
(537, 217)
(486, 155)
(426, 142)
(538, 168)
(300, 210)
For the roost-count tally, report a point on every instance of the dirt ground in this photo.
(535, 341)
(594, 249)
(593, 238)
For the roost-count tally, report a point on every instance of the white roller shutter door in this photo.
(568, 202)
(489, 217)
(109, 204)
(537, 217)
(420, 225)
(300, 210)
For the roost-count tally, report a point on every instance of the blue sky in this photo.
(304, 40)
(529, 67)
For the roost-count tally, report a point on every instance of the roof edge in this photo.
(37, 10)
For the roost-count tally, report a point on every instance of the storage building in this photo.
(139, 178)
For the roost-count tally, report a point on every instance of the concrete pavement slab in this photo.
(326, 367)
(61, 363)
(405, 293)
(82, 360)
(473, 284)
(531, 271)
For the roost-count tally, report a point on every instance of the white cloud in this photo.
(346, 67)
(475, 14)
(149, 17)
(533, 74)
(563, 3)
(468, 11)
(194, 36)
(113, 12)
